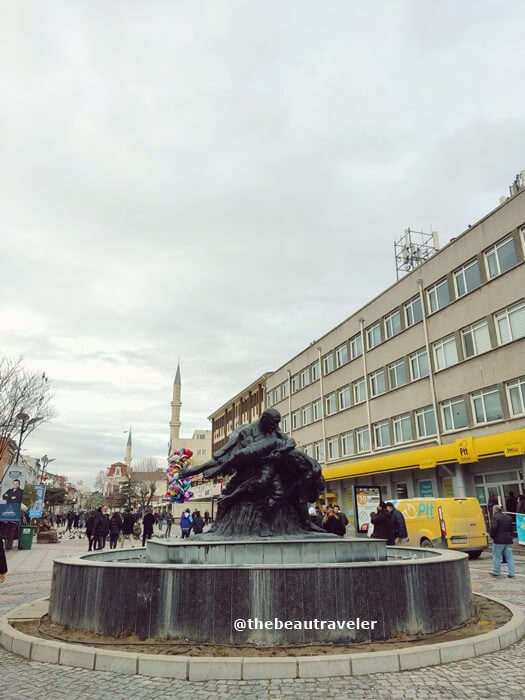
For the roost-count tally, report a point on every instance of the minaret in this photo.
(175, 409)
(127, 457)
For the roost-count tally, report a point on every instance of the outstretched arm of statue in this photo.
(198, 469)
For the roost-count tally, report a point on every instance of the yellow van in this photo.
(453, 523)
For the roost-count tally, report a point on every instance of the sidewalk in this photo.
(39, 559)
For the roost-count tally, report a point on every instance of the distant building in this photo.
(116, 475)
(244, 407)
(200, 441)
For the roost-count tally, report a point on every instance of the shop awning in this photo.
(463, 451)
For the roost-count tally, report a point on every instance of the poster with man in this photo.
(367, 498)
(11, 492)
(37, 508)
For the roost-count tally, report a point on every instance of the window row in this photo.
(510, 323)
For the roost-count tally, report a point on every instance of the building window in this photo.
(487, 406)
(510, 323)
(393, 324)
(501, 257)
(341, 355)
(516, 394)
(397, 374)
(377, 383)
(373, 335)
(438, 296)
(309, 450)
(333, 447)
(413, 311)
(269, 398)
(445, 352)
(362, 437)
(331, 404)
(305, 377)
(286, 423)
(467, 278)
(403, 428)
(315, 371)
(328, 363)
(319, 451)
(317, 409)
(356, 346)
(347, 444)
(284, 390)
(345, 400)
(419, 364)
(476, 339)
(454, 414)
(307, 414)
(296, 385)
(296, 420)
(382, 434)
(426, 422)
(277, 394)
(359, 389)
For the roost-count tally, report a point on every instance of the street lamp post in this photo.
(26, 422)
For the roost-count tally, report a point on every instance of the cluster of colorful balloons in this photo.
(178, 490)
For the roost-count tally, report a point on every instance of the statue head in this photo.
(269, 420)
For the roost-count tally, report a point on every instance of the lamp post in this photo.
(44, 461)
(26, 422)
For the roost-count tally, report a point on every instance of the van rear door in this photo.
(455, 517)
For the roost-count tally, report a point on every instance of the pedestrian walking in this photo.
(169, 523)
(206, 518)
(115, 526)
(400, 528)
(99, 529)
(501, 533)
(147, 527)
(185, 524)
(90, 531)
(197, 523)
(127, 528)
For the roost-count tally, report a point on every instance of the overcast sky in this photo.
(222, 182)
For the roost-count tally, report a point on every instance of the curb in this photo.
(202, 668)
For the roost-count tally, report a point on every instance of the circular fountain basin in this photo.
(197, 591)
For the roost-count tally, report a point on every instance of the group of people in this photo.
(128, 528)
(330, 518)
(388, 523)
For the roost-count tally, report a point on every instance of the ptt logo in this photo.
(423, 511)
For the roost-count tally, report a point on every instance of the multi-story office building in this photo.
(422, 391)
(243, 408)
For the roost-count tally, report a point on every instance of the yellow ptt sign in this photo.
(465, 450)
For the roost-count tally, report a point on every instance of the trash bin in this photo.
(25, 537)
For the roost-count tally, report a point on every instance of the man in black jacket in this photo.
(147, 524)
(501, 533)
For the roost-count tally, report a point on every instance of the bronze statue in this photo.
(271, 482)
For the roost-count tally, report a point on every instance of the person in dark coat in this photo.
(90, 532)
(501, 532)
(115, 526)
(198, 523)
(147, 527)
(383, 524)
(3, 562)
(332, 523)
(342, 516)
(127, 527)
(400, 528)
(521, 505)
(99, 529)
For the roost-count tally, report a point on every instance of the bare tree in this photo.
(147, 464)
(146, 492)
(25, 392)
